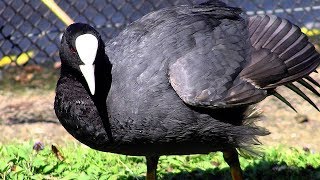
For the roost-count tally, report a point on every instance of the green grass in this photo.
(20, 161)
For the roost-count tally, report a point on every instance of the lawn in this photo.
(74, 161)
(26, 101)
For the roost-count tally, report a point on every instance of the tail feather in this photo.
(308, 86)
(310, 61)
(278, 36)
(301, 94)
(303, 73)
(312, 81)
(297, 54)
(284, 100)
(297, 45)
(282, 54)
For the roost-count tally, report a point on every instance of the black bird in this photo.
(179, 81)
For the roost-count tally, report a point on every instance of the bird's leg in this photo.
(152, 162)
(231, 157)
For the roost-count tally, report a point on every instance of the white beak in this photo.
(87, 46)
(88, 73)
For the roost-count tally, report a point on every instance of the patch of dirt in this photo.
(29, 107)
(29, 116)
(288, 127)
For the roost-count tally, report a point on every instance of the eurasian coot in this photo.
(178, 81)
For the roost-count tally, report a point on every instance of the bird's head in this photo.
(80, 47)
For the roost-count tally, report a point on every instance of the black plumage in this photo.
(180, 80)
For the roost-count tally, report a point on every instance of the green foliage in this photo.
(20, 161)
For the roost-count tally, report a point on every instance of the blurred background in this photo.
(30, 27)
(30, 32)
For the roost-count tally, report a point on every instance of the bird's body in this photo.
(145, 114)
(178, 81)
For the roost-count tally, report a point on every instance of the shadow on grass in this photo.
(263, 170)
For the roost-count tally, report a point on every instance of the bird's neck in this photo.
(87, 116)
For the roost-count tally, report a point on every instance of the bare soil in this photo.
(29, 116)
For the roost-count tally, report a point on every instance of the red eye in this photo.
(73, 50)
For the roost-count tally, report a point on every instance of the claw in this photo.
(300, 93)
(308, 86)
(312, 81)
(281, 98)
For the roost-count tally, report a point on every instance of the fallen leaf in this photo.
(56, 152)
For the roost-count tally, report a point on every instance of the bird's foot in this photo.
(231, 157)
(152, 162)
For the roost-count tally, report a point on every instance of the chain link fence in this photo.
(30, 32)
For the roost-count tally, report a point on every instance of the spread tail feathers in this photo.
(281, 54)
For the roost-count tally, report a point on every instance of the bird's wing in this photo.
(281, 55)
(209, 74)
(240, 64)
(281, 52)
